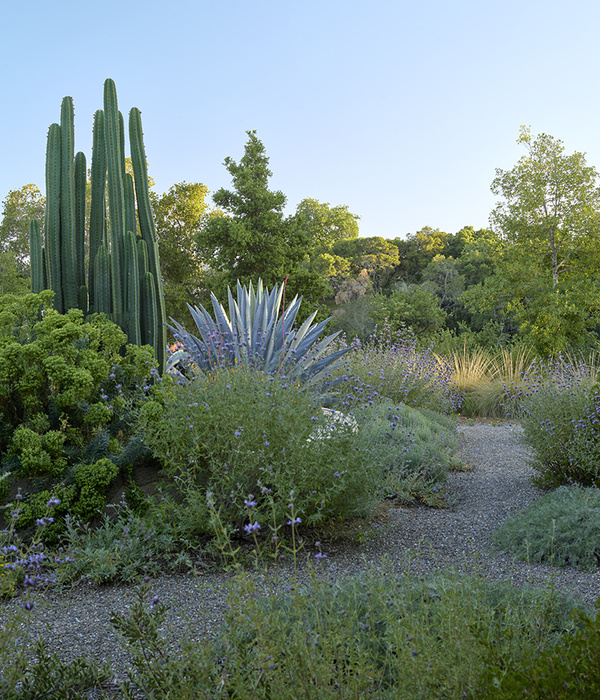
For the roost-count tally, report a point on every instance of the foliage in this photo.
(66, 390)
(391, 365)
(179, 215)
(325, 224)
(549, 219)
(414, 307)
(123, 548)
(374, 254)
(18, 209)
(560, 414)
(567, 669)
(561, 528)
(412, 448)
(254, 336)
(372, 635)
(237, 432)
(252, 238)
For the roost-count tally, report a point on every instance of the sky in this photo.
(400, 110)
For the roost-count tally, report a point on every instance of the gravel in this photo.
(411, 539)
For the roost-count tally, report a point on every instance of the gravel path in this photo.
(77, 622)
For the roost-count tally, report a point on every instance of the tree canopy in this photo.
(549, 223)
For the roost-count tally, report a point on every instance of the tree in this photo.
(549, 221)
(324, 224)
(180, 214)
(252, 238)
(376, 255)
(18, 209)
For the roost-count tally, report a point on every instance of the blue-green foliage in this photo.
(561, 528)
(254, 335)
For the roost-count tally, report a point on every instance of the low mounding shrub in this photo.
(568, 669)
(66, 391)
(412, 448)
(373, 635)
(561, 422)
(561, 528)
(243, 437)
(391, 365)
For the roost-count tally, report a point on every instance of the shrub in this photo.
(390, 365)
(412, 449)
(561, 418)
(67, 386)
(562, 528)
(239, 432)
(370, 635)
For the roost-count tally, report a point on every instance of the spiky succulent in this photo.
(256, 336)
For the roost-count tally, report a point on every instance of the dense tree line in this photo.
(531, 277)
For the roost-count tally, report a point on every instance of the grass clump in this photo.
(561, 528)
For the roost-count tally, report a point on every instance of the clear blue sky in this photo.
(399, 109)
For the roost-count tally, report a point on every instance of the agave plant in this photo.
(254, 335)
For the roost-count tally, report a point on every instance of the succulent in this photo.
(123, 275)
(256, 336)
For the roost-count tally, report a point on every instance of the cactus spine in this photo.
(123, 279)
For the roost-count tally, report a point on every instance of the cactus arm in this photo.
(80, 183)
(116, 199)
(98, 203)
(102, 293)
(52, 227)
(147, 228)
(67, 204)
(37, 257)
(133, 311)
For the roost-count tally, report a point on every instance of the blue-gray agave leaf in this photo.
(255, 335)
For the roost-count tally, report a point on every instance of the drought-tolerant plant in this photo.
(412, 448)
(391, 365)
(237, 431)
(123, 277)
(490, 382)
(375, 635)
(560, 409)
(66, 391)
(568, 669)
(255, 336)
(561, 528)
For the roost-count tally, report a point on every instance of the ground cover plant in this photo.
(561, 528)
(413, 449)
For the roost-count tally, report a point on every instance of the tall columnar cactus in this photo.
(123, 278)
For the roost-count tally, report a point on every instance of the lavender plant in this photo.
(560, 414)
(392, 366)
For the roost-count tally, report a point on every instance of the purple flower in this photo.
(249, 502)
(238, 432)
(52, 502)
(295, 521)
(320, 555)
(28, 605)
(252, 527)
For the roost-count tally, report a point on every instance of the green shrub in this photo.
(372, 635)
(569, 669)
(67, 387)
(239, 432)
(561, 423)
(561, 528)
(412, 449)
